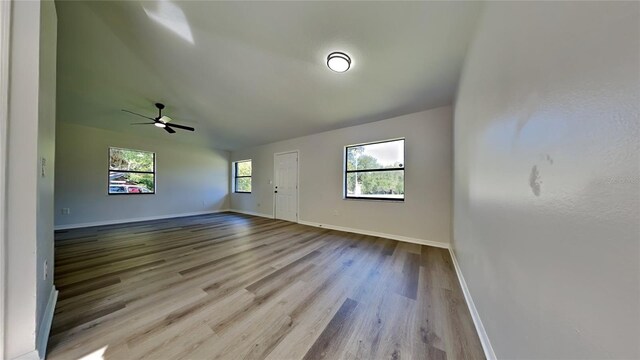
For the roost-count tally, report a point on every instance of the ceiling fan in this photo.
(161, 121)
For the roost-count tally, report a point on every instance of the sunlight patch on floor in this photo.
(96, 355)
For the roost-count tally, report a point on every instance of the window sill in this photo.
(373, 199)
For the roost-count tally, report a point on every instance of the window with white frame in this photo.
(375, 171)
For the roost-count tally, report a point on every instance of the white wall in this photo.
(46, 152)
(31, 133)
(425, 213)
(189, 179)
(547, 188)
(5, 28)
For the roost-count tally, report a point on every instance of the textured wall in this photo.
(546, 179)
(30, 137)
(46, 151)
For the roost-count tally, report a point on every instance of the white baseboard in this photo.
(131, 220)
(482, 333)
(356, 231)
(252, 213)
(31, 355)
(45, 327)
(378, 234)
(45, 324)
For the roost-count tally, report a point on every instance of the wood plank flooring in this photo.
(230, 286)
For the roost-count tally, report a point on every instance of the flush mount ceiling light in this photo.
(338, 61)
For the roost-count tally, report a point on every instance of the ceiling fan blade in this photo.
(181, 127)
(147, 123)
(146, 117)
(169, 130)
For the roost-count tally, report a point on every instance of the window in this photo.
(131, 172)
(242, 174)
(375, 171)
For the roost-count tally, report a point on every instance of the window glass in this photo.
(375, 170)
(131, 172)
(242, 176)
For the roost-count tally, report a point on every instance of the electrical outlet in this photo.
(46, 270)
(258, 204)
(336, 213)
(66, 211)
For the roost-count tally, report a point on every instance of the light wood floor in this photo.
(232, 286)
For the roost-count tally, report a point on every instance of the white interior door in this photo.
(286, 186)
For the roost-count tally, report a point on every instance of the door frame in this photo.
(5, 43)
(275, 165)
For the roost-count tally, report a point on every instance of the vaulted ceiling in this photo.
(249, 73)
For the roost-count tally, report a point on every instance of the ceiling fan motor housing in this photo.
(161, 121)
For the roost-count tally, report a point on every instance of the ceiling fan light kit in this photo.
(161, 121)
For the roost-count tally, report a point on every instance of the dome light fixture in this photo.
(338, 61)
(160, 124)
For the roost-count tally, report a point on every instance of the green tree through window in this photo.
(375, 170)
(131, 171)
(242, 177)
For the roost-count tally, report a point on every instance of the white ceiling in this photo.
(249, 73)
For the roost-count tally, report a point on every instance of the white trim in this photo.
(297, 181)
(5, 28)
(376, 142)
(31, 355)
(482, 333)
(45, 324)
(269, 216)
(378, 234)
(132, 220)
